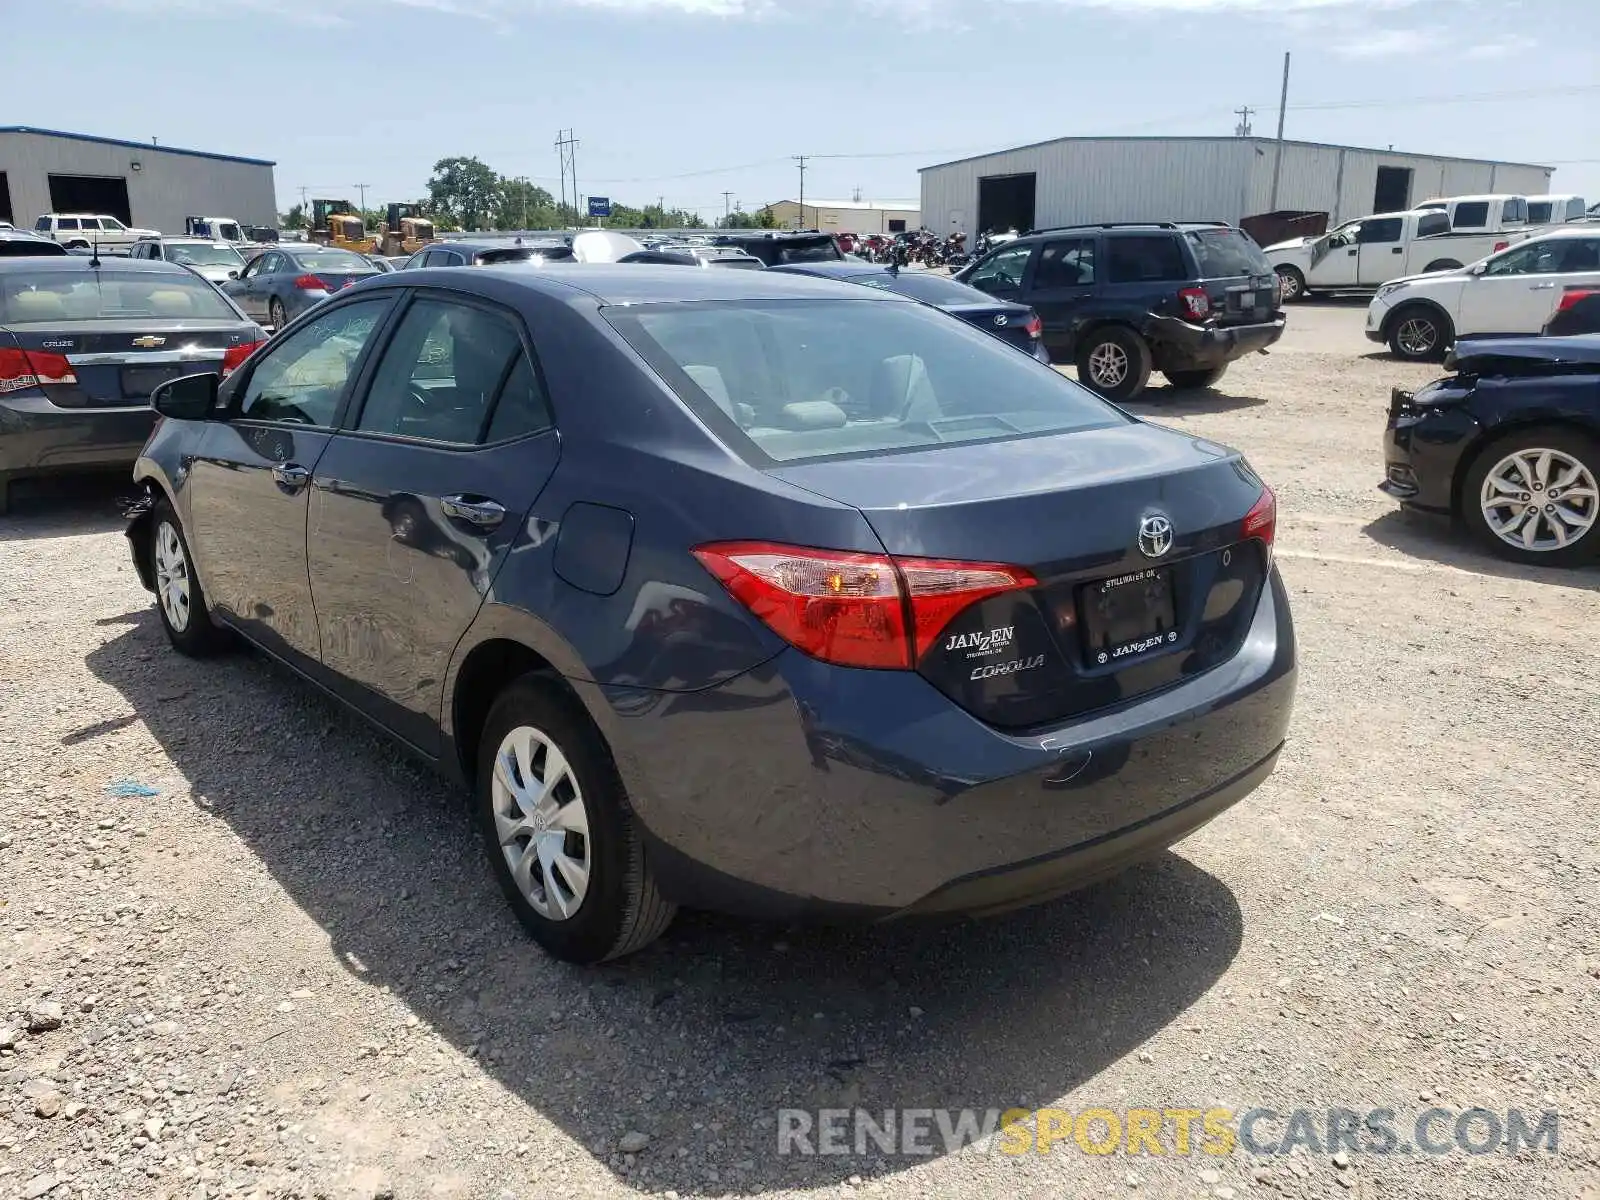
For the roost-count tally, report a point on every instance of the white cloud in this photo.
(1389, 43)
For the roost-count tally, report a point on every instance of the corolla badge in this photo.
(1155, 536)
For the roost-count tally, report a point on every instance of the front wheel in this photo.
(558, 830)
(1533, 497)
(1195, 379)
(1419, 334)
(1294, 284)
(1114, 362)
(179, 597)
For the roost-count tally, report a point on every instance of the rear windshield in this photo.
(1225, 253)
(31, 247)
(930, 289)
(1539, 212)
(43, 297)
(332, 260)
(817, 250)
(790, 381)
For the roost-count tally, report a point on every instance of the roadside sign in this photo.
(599, 206)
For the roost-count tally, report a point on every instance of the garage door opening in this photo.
(1393, 193)
(104, 195)
(5, 200)
(1005, 202)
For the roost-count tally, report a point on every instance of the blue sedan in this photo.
(732, 589)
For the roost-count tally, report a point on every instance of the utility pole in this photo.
(1277, 161)
(800, 221)
(727, 208)
(1242, 129)
(362, 188)
(304, 203)
(566, 150)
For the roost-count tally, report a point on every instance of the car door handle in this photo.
(1355, 251)
(1398, 250)
(485, 514)
(291, 477)
(1540, 287)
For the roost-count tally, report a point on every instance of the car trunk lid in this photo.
(1134, 535)
(118, 363)
(1013, 323)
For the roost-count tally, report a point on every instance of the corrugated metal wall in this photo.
(1112, 179)
(166, 188)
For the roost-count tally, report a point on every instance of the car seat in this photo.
(901, 390)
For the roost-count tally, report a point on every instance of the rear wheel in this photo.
(558, 831)
(1534, 496)
(179, 598)
(1195, 379)
(1419, 334)
(276, 317)
(1294, 284)
(1114, 362)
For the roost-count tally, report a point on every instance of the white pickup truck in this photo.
(1364, 254)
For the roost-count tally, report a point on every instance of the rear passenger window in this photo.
(521, 407)
(1474, 215)
(442, 372)
(67, 223)
(1155, 259)
(1065, 264)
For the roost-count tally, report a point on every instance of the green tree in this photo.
(465, 190)
(522, 204)
(739, 219)
(765, 219)
(295, 218)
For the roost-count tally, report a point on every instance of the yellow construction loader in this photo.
(407, 231)
(337, 223)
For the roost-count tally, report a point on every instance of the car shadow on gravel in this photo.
(65, 506)
(699, 1040)
(1156, 403)
(1438, 540)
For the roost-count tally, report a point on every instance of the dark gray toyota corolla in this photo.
(732, 590)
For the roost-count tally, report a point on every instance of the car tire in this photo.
(1114, 362)
(1574, 460)
(1444, 264)
(1420, 333)
(1294, 284)
(180, 600)
(1195, 379)
(581, 884)
(276, 317)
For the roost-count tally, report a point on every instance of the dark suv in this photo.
(1121, 300)
(778, 248)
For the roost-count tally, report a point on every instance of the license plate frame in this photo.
(1128, 616)
(134, 376)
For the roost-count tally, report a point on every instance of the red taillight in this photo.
(1572, 296)
(1499, 246)
(1261, 522)
(1196, 304)
(1035, 327)
(233, 358)
(858, 610)
(310, 283)
(33, 368)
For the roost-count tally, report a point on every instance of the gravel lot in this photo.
(288, 973)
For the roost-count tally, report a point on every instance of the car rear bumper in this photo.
(1422, 448)
(38, 438)
(1199, 347)
(801, 790)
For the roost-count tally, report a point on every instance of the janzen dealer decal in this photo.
(986, 643)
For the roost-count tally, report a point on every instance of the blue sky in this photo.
(686, 98)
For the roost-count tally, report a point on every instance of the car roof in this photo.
(611, 283)
(84, 262)
(186, 238)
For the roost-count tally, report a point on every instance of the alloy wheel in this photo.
(1108, 364)
(1418, 336)
(1291, 285)
(172, 576)
(541, 822)
(1539, 499)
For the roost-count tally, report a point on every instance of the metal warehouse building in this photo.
(42, 171)
(848, 216)
(1087, 179)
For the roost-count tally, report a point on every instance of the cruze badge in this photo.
(1155, 536)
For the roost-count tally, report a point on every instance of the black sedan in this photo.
(83, 341)
(1509, 444)
(732, 589)
(1014, 323)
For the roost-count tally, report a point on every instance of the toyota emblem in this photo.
(1002, 319)
(1155, 536)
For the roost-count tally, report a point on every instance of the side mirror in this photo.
(192, 398)
(1480, 268)
(233, 274)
